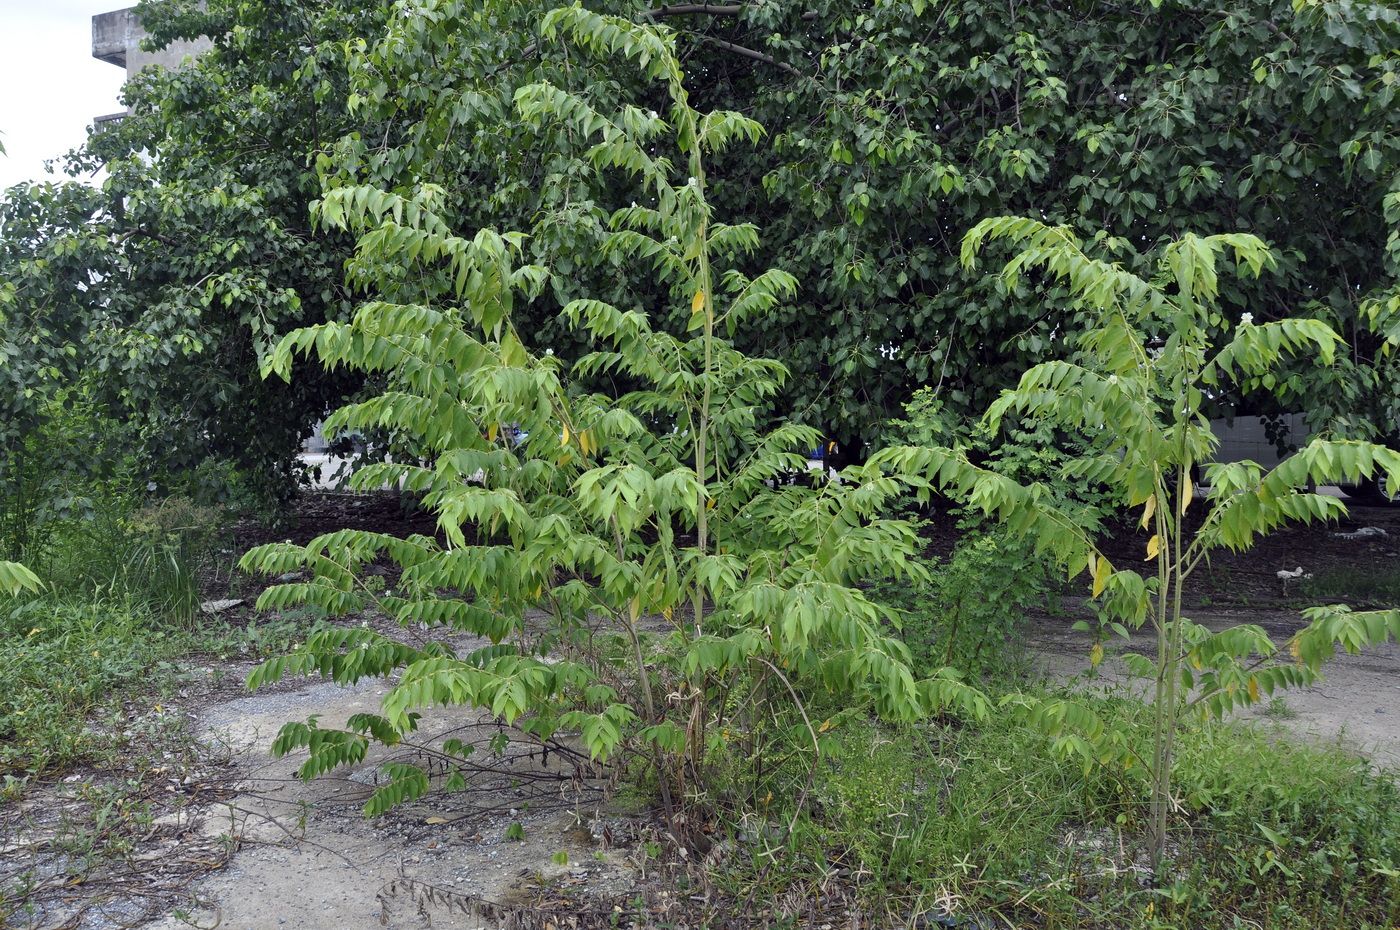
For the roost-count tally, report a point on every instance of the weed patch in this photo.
(65, 664)
(70, 666)
(969, 610)
(1372, 584)
(984, 825)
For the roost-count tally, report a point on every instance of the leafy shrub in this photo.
(154, 555)
(1135, 396)
(52, 470)
(926, 422)
(77, 505)
(1024, 450)
(639, 537)
(967, 610)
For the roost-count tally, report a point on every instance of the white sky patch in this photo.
(50, 85)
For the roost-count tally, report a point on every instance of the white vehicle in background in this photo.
(1253, 438)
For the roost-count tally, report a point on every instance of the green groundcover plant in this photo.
(939, 823)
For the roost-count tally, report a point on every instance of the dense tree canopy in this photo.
(895, 127)
(196, 250)
(892, 128)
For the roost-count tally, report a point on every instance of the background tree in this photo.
(896, 126)
(197, 250)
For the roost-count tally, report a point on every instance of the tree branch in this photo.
(756, 55)
(708, 9)
(146, 233)
(687, 9)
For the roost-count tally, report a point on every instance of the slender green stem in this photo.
(644, 676)
(1157, 808)
(702, 524)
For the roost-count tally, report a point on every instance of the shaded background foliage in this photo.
(892, 128)
(161, 286)
(895, 127)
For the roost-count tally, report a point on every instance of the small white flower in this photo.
(1246, 319)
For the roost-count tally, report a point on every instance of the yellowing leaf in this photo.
(697, 302)
(1154, 546)
(491, 432)
(1148, 509)
(1096, 655)
(826, 725)
(435, 820)
(1188, 491)
(1102, 571)
(1253, 688)
(564, 437)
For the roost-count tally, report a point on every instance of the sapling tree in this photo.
(633, 563)
(1135, 394)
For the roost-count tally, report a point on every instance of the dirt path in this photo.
(1358, 703)
(306, 857)
(234, 839)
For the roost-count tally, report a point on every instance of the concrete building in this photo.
(116, 39)
(1249, 437)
